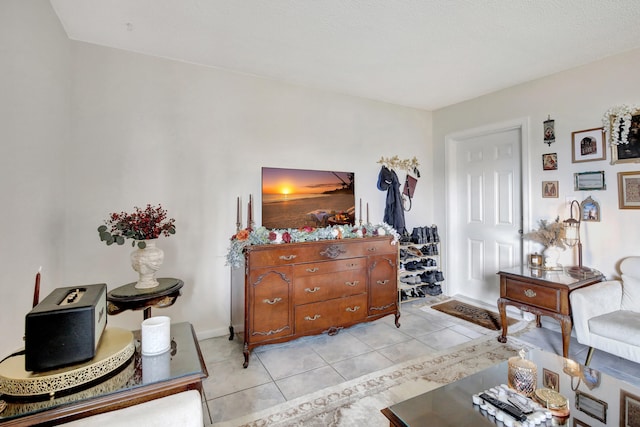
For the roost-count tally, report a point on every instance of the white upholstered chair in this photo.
(606, 316)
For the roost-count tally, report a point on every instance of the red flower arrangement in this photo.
(143, 224)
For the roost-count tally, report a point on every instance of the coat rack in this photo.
(409, 165)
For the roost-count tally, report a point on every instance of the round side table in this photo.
(128, 297)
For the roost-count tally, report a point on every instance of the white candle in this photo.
(156, 335)
(360, 211)
(367, 213)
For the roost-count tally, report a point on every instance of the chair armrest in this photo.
(591, 301)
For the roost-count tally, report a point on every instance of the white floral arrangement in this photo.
(617, 123)
(265, 236)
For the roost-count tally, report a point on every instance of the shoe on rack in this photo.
(413, 266)
(434, 232)
(429, 235)
(414, 251)
(418, 292)
(439, 276)
(428, 277)
(403, 295)
(434, 249)
(434, 290)
(416, 235)
(407, 279)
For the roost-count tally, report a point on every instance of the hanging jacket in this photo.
(393, 212)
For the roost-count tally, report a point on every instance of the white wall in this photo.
(88, 130)
(148, 130)
(576, 100)
(34, 132)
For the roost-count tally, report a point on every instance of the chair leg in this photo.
(589, 354)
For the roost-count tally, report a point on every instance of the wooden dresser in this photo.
(298, 289)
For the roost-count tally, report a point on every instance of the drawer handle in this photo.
(354, 309)
(287, 257)
(372, 249)
(382, 282)
(312, 270)
(333, 251)
(273, 301)
(352, 265)
(315, 317)
(530, 293)
(352, 284)
(316, 289)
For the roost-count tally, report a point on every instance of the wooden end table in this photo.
(130, 386)
(128, 297)
(543, 293)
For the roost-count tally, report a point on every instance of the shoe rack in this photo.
(419, 271)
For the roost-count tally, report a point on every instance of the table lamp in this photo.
(572, 237)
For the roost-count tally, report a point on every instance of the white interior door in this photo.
(484, 210)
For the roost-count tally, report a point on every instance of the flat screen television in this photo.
(294, 198)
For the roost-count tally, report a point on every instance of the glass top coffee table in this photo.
(594, 398)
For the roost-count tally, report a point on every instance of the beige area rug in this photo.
(358, 402)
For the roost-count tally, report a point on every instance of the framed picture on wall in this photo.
(629, 190)
(590, 210)
(588, 145)
(550, 189)
(589, 181)
(629, 409)
(550, 161)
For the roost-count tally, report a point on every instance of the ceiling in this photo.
(419, 53)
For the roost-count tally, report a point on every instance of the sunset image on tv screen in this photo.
(294, 198)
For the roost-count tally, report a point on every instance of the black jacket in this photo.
(393, 212)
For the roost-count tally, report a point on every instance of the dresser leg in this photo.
(246, 355)
(397, 319)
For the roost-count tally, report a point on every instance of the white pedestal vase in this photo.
(550, 257)
(146, 262)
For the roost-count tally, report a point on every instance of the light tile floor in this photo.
(281, 372)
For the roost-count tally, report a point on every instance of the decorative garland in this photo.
(618, 118)
(265, 236)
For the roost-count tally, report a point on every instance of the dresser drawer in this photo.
(306, 252)
(325, 267)
(322, 287)
(534, 295)
(321, 316)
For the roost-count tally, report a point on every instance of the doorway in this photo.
(486, 172)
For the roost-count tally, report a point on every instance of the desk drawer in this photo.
(532, 294)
